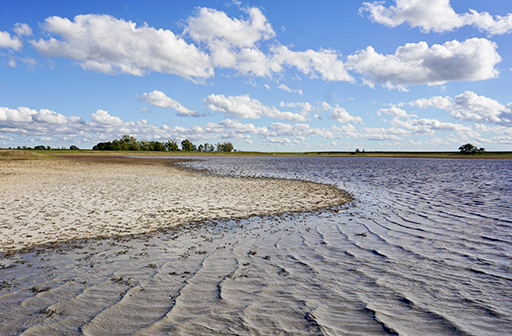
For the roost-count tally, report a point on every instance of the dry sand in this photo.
(58, 200)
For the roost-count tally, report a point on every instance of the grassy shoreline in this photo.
(40, 154)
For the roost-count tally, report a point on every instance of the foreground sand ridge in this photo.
(58, 200)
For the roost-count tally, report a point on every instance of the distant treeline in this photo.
(129, 143)
(42, 147)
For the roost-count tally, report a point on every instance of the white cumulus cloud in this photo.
(341, 115)
(104, 118)
(21, 114)
(428, 126)
(417, 63)
(6, 41)
(243, 106)
(395, 111)
(435, 15)
(326, 63)
(384, 134)
(50, 117)
(160, 99)
(470, 106)
(305, 106)
(22, 29)
(105, 44)
(233, 42)
(210, 25)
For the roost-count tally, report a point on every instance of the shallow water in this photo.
(424, 249)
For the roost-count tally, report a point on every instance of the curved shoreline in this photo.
(69, 198)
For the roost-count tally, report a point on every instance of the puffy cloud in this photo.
(327, 63)
(444, 103)
(287, 89)
(494, 26)
(50, 117)
(507, 140)
(281, 141)
(272, 112)
(105, 44)
(416, 63)
(32, 125)
(384, 134)
(22, 29)
(211, 25)
(238, 127)
(235, 106)
(428, 126)
(6, 41)
(109, 45)
(21, 114)
(232, 42)
(251, 61)
(297, 130)
(160, 99)
(389, 86)
(244, 106)
(102, 117)
(470, 106)
(348, 130)
(341, 115)
(15, 43)
(336, 113)
(395, 111)
(435, 15)
(306, 107)
(25, 115)
(494, 129)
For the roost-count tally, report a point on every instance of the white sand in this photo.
(47, 201)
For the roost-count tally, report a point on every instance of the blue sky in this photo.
(425, 75)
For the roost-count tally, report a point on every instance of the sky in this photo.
(282, 76)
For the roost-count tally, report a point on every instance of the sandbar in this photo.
(66, 198)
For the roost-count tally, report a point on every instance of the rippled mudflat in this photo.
(424, 249)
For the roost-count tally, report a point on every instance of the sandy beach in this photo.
(86, 197)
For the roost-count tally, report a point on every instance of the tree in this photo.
(158, 146)
(171, 145)
(73, 147)
(225, 147)
(105, 146)
(470, 149)
(129, 143)
(228, 147)
(187, 145)
(209, 147)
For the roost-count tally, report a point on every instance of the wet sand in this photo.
(76, 197)
(390, 262)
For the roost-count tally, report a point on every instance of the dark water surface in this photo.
(425, 248)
